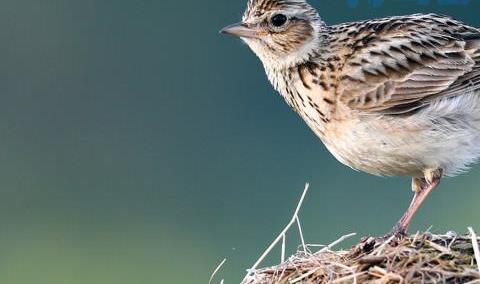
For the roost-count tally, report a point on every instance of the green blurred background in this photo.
(140, 146)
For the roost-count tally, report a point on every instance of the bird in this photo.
(394, 96)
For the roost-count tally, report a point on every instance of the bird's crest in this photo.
(258, 7)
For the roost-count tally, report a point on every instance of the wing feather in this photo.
(404, 68)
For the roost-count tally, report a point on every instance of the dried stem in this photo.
(216, 271)
(282, 233)
(343, 238)
(301, 236)
(475, 247)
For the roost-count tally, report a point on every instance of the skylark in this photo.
(397, 96)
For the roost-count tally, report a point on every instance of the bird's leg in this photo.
(422, 188)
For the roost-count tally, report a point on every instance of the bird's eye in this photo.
(279, 20)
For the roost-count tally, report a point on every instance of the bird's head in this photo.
(282, 33)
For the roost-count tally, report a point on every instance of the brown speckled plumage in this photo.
(392, 96)
(400, 64)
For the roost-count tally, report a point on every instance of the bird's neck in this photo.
(305, 88)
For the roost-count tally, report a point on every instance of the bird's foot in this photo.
(398, 231)
(369, 244)
(397, 234)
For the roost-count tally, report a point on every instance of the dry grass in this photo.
(422, 258)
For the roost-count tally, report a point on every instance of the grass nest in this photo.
(420, 258)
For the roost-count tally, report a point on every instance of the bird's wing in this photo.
(402, 64)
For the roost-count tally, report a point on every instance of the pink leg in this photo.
(425, 188)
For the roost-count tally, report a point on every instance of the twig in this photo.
(281, 275)
(301, 277)
(316, 245)
(348, 277)
(283, 248)
(429, 229)
(438, 247)
(415, 239)
(301, 235)
(216, 271)
(343, 238)
(282, 233)
(382, 247)
(476, 250)
(352, 269)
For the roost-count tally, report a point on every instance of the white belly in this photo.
(444, 135)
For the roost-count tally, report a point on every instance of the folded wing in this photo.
(402, 67)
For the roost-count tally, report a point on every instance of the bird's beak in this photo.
(240, 30)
